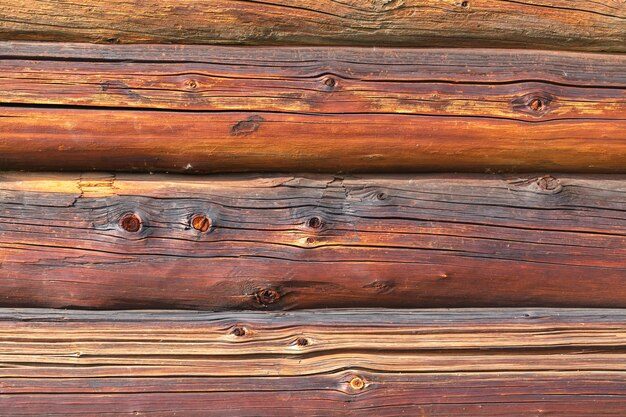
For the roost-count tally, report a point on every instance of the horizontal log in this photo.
(75, 140)
(444, 82)
(208, 109)
(559, 394)
(284, 242)
(483, 362)
(554, 24)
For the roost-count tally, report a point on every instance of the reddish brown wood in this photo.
(208, 109)
(62, 139)
(559, 394)
(284, 242)
(479, 362)
(555, 24)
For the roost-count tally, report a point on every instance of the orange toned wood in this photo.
(208, 109)
(73, 140)
(285, 242)
(355, 362)
(554, 24)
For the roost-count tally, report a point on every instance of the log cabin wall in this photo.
(294, 208)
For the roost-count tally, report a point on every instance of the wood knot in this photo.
(549, 183)
(266, 296)
(535, 103)
(534, 315)
(301, 341)
(465, 4)
(130, 222)
(357, 383)
(542, 185)
(381, 196)
(330, 83)
(246, 127)
(192, 84)
(314, 223)
(239, 331)
(201, 223)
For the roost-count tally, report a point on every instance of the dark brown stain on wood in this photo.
(246, 127)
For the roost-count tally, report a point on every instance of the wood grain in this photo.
(554, 24)
(208, 109)
(285, 242)
(482, 362)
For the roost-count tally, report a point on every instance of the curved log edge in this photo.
(286, 242)
(554, 24)
(198, 109)
(483, 362)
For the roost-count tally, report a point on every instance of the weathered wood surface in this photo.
(482, 362)
(554, 24)
(284, 242)
(514, 394)
(440, 82)
(208, 109)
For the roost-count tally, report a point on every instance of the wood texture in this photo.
(284, 242)
(207, 109)
(479, 362)
(554, 24)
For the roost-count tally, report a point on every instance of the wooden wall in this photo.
(296, 208)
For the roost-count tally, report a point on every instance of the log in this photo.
(208, 109)
(537, 24)
(483, 362)
(497, 83)
(283, 242)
